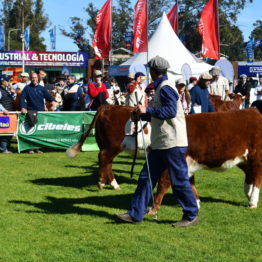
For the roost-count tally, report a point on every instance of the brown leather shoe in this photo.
(186, 223)
(127, 218)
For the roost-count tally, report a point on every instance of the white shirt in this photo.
(258, 89)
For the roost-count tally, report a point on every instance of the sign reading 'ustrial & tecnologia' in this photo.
(31, 58)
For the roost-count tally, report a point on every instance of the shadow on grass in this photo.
(169, 200)
(70, 205)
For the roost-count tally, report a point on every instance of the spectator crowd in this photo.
(66, 93)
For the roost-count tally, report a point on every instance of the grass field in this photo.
(52, 211)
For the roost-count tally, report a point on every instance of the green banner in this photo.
(90, 143)
(55, 130)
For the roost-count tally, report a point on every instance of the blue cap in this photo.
(4, 78)
(138, 74)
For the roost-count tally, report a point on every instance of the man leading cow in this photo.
(169, 145)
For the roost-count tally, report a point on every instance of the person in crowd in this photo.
(83, 83)
(97, 91)
(192, 83)
(60, 84)
(42, 75)
(243, 88)
(258, 89)
(200, 102)
(24, 82)
(150, 92)
(134, 88)
(169, 146)
(33, 98)
(7, 96)
(184, 95)
(219, 85)
(73, 96)
(115, 92)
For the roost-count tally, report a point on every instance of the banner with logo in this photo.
(55, 130)
(32, 58)
(8, 123)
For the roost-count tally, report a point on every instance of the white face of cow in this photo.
(129, 142)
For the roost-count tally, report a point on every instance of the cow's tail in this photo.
(75, 149)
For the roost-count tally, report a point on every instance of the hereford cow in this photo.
(222, 106)
(221, 140)
(109, 123)
(210, 138)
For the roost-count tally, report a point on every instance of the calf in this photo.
(222, 106)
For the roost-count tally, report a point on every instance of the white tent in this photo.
(165, 43)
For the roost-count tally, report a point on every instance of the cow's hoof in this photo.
(100, 185)
(115, 185)
(151, 212)
(251, 206)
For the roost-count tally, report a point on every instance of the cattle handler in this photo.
(169, 145)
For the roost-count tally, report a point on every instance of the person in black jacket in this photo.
(244, 89)
(7, 95)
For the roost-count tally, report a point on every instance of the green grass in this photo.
(51, 211)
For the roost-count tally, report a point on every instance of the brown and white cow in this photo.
(208, 137)
(208, 134)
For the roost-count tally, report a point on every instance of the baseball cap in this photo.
(98, 73)
(138, 74)
(4, 78)
(192, 78)
(180, 81)
(24, 74)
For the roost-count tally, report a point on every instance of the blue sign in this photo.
(4, 122)
(128, 37)
(250, 70)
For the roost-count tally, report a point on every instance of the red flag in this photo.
(102, 38)
(208, 29)
(173, 18)
(140, 27)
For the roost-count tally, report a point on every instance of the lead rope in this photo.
(147, 163)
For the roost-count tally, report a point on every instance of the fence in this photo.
(58, 130)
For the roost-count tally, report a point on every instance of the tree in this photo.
(257, 34)
(12, 12)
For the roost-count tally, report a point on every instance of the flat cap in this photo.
(4, 78)
(158, 63)
(243, 76)
(98, 73)
(215, 71)
(24, 74)
(180, 81)
(205, 76)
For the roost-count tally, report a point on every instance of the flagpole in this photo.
(111, 36)
(177, 27)
(147, 54)
(23, 37)
(218, 31)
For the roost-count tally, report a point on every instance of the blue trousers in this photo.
(174, 160)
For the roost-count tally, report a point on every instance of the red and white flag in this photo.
(208, 29)
(173, 18)
(140, 27)
(102, 38)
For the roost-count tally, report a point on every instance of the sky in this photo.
(60, 11)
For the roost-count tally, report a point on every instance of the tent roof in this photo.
(165, 43)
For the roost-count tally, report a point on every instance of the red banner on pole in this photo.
(140, 27)
(102, 38)
(173, 18)
(208, 29)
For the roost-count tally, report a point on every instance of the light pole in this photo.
(8, 37)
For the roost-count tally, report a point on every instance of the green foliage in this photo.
(257, 34)
(12, 13)
(51, 210)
